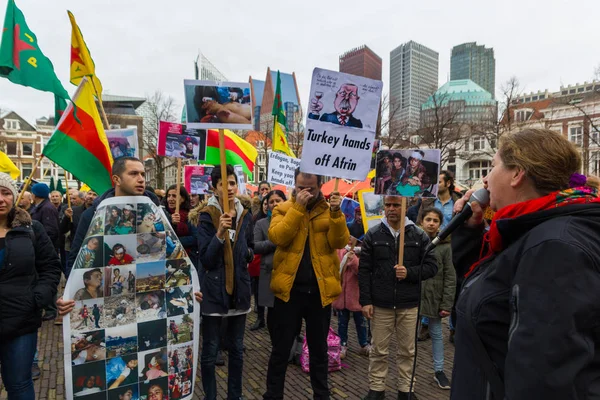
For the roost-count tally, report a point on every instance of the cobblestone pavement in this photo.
(349, 383)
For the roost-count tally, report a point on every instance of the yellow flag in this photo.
(280, 142)
(7, 166)
(85, 188)
(81, 60)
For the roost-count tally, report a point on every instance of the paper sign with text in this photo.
(239, 172)
(281, 169)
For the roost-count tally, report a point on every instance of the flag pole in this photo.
(224, 182)
(178, 185)
(401, 242)
(104, 118)
(28, 181)
(336, 185)
(68, 197)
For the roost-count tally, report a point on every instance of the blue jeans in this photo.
(361, 327)
(16, 358)
(437, 343)
(211, 327)
(424, 321)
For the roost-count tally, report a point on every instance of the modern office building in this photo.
(361, 61)
(474, 62)
(413, 78)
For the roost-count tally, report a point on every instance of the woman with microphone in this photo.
(529, 309)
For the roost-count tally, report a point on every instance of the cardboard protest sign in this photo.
(408, 173)
(349, 208)
(123, 142)
(340, 125)
(371, 208)
(197, 179)
(281, 169)
(239, 173)
(218, 105)
(135, 325)
(181, 141)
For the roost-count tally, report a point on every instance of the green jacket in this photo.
(437, 293)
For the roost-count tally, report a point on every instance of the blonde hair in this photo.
(546, 156)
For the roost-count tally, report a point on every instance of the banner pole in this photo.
(336, 185)
(401, 242)
(223, 160)
(28, 181)
(68, 197)
(99, 96)
(177, 200)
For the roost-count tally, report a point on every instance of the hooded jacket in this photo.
(535, 307)
(376, 274)
(438, 292)
(47, 215)
(28, 278)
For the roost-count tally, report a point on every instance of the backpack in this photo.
(334, 349)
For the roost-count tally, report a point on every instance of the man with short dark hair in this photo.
(306, 279)
(44, 212)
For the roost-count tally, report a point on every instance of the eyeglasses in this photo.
(349, 94)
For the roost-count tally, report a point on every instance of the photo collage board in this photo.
(134, 331)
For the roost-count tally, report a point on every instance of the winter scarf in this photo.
(182, 228)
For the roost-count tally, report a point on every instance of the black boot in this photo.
(257, 325)
(375, 395)
(404, 396)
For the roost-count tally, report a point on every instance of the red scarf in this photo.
(182, 228)
(493, 239)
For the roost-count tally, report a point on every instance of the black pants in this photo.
(287, 319)
(260, 310)
(459, 283)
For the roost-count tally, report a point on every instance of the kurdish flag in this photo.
(237, 151)
(81, 59)
(79, 144)
(7, 166)
(280, 142)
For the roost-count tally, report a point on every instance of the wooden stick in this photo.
(28, 181)
(68, 197)
(99, 96)
(401, 243)
(336, 185)
(178, 185)
(224, 181)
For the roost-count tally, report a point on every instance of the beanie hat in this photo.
(7, 182)
(40, 190)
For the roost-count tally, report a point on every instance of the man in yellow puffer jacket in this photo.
(306, 279)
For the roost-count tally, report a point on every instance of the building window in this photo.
(260, 143)
(11, 124)
(576, 135)
(11, 148)
(27, 149)
(26, 169)
(414, 139)
(478, 143)
(594, 135)
(595, 163)
(478, 169)
(523, 115)
(451, 156)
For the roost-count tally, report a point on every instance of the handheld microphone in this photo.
(482, 196)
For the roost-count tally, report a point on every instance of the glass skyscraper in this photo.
(474, 62)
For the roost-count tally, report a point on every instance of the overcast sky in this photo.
(147, 45)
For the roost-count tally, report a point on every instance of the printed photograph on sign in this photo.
(88, 347)
(152, 334)
(97, 224)
(197, 179)
(88, 283)
(179, 384)
(91, 254)
(178, 273)
(153, 364)
(120, 220)
(408, 173)
(151, 247)
(181, 358)
(181, 329)
(89, 379)
(156, 389)
(123, 142)
(87, 315)
(180, 300)
(119, 310)
(150, 305)
(226, 105)
(371, 208)
(119, 250)
(121, 340)
(151, 276)
(122, 371)
(349, 208)
(130, 392)
(175, 249)
(147, 220)
(181, 141)
(119, 280)
(344, 99)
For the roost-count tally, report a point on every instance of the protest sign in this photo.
(281, 169)
(371, 208)
(197, 179)
(218, 105)
(408, 173)
(239, 172)
(340, 125)
(135, 325)
(349, 208)
(181, 141)
(123, 142)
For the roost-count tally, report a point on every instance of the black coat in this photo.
(212, 269)
(376, 275)
(535, 306)
(46, 214)
(28, 279)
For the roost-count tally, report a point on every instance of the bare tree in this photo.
(597, 72)
(392, 131)
(295, 137)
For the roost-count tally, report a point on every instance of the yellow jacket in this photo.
(327, 231)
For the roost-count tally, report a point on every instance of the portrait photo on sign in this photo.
(121, 340)
(123, 142)
(97, 225)
(181, 329)
(226, 105)
(151, 276)
(89, 378)
(181, 141)
(180, 300)
(119, 280)
(120, 219)
(182, 146)
(91, 254)
(119, 250)
(152, 334)
(122, 371)
(130, 392)
(156, 389)
(153, 364)
(88, 347)
(344, 99)
(87, 315)
(88, 283)
(150, 305)
(151, 247)
(371, 208)
(197, 179)
(148, 221)
(181, 358)
(178, 273)
(180, 384)
(119, 310)
(408, 173)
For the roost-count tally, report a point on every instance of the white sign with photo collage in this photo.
(134, 331)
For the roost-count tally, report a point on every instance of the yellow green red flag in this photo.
(82, 63)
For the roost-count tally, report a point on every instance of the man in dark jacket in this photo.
(44, 212)
(225, 246)
(389, 294)
(71, 218)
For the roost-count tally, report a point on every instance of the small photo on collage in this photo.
(122, 371)
(181, 358)
(119, 250)
(153, 364)
(120, 219)
(174, 248)
(155, 390)
(119, 280)
(121, 340)
(90, 255)
(151, 247)
(150, 276)
(87, 347)
(87, 315)
(130, 392)
(87, 283)
(147, 220)
(97, 225)
(178, 273)
(89, 379)
(119, 310)
(180, 300)
(152, 334)
(181, 329)
(180, 384)
(150, 305)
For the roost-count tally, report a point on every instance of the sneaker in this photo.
(257, 325)
(451, 337)
(365, 350)
(343, 352)
(35, 372)
(404, 396)
(375, 395)
(441, 380)
(424, 333)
